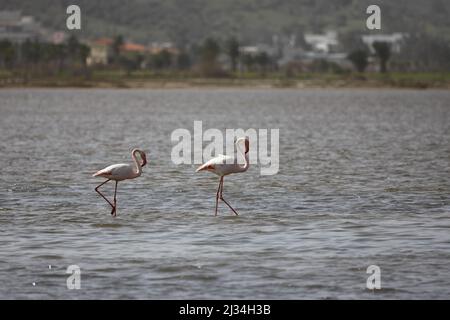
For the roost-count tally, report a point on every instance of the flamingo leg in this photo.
(98, 191)
(217, 194)
(221, 198)
(113, 212)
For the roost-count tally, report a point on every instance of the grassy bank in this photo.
(147, 79)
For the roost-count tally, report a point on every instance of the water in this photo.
(363, 180)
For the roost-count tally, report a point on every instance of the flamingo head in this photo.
(142, 155)
(246, 144)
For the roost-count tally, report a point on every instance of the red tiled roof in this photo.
(104, 41)
(133, 47)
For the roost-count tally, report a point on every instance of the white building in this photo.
(18, 28)
(257, 49)
(322, 42)
(394, 39)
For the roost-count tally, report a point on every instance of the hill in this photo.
(184, 21)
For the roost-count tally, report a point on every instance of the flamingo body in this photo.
(222, 166)
(119, 172)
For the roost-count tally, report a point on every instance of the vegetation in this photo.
(38, 58)
(422, 53)
(383, 51)
(44, 64)
(232, 49)
(360, 59)
(117, 43)
(179, 79)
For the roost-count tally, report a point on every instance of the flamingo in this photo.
(220, 167)
(119, 172)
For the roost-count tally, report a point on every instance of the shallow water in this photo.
(364, 180)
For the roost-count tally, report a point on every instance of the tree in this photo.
(359, 58)
(31, 54)
(7, 53)
(248, 61)
(32, 51)
(161, 60)
(183, 61)
(53, 57)
(131, 63)
(116, 46)
(209, 53)
(232, 49)
(351, 41)
(83, 53)
(73, 45)
(383, 51)
(77, 51)
(262, 59)
(420, 52)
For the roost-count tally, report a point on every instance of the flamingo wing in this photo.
(214, 163)
(118, 171)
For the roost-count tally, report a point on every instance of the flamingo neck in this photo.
(246, 164)
(138, 165)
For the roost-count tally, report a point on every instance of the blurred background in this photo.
(280, 42)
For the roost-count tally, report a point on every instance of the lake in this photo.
(364, 179)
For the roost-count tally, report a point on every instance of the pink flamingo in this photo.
(219, 166)
(119, 172)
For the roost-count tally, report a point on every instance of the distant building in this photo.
(101, 52)
(58, 37)
(252, 50)
(322, 42)
(17, 28)
(130, 47)
(394, 39)
(290, 54)
(257, 49)
(157, 47)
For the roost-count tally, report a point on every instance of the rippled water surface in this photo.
(364, 179)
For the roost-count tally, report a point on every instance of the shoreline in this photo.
(23, 88)
(319, 82)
